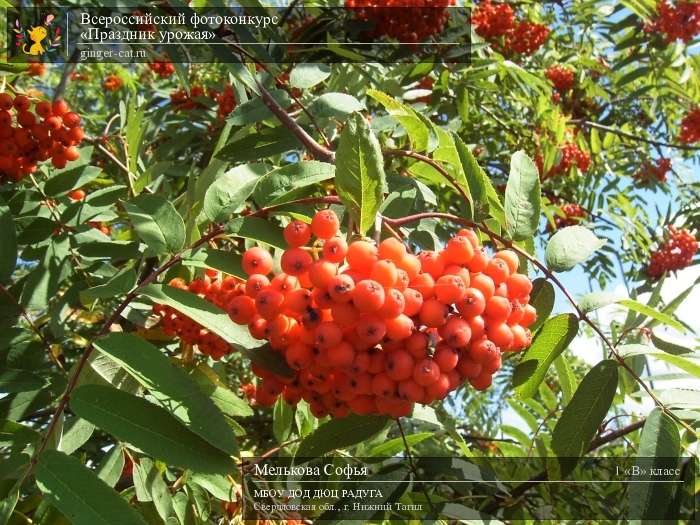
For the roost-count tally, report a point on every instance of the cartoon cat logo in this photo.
(36, 35)
(37, 39)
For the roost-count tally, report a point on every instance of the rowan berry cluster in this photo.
(186, 101)
(571, 155)
(410, 21)
(677, 22)
(112, 83)
(561, 77)
(50, 131)
(493, 20)
(373, 329)
(571, 214)
(654, 171)
(674, 254)
(36, 69)
(690, 127)
(219, 292)
(162, 68)
(496, 21)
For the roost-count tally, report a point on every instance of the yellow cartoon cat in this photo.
(36, 35)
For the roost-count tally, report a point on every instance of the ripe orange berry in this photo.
(241, 309)
(59, 107)
(383, 386)
(498, 309)
(424, 284)
(399, 365)
(368, 296)
(500, 334)
(340, 288)
(77, 195)
(328, 334)
(456, 332)
(257, 260)
(361, 256)
(394, 303)
(335, 250)
(255, 283)
(529, 315)
(392, 250)
(432, 263)
(478, 262)
(446, 357)
(410, 264)
(413, 301)
(484, 284)
(322, 272)
(269, 303)
(498, 270)
(399, 327)
(296, 261)
(297, 300)
(459, 250)
(450, 289)
(371, 329)
(426, 372)
(511, 259)
(519, 286)
(341, 356)
(297, 233)
(284, 283)
(299, 356)
(384, 272)
(325, 224)
(434, 313)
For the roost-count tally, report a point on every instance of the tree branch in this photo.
(317, 150)
(631, 136)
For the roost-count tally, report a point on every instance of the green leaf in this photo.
(583, 415)
(689, 364)
(282, 419)
(157, 223)
(19, 381)
(417, 130)
(71, 179)
(396, 445)
(266, 358)
(651, 312)
(210, 383)
(304, 76)
(255, 110)
(79, 494)
(340, 433)
(7, 506)
(228, 193)
(595, 300)
(542, 297)
(76, 432)
(669, 347)
(257, 229)
(567, 379)
(259, 145)
(227, 262)
(551, 340)
(8, 246)
(290, 182)
(148, 427)
(659, 447)
(121, 284)
(335, 105)
(171, 387)
(522, 202)
(151, 482)
(110, 469)
(202, 312)
(360, 179)
(569, 247)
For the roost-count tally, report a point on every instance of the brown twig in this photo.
(631, 136)
(434, 164)
(317, 150)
